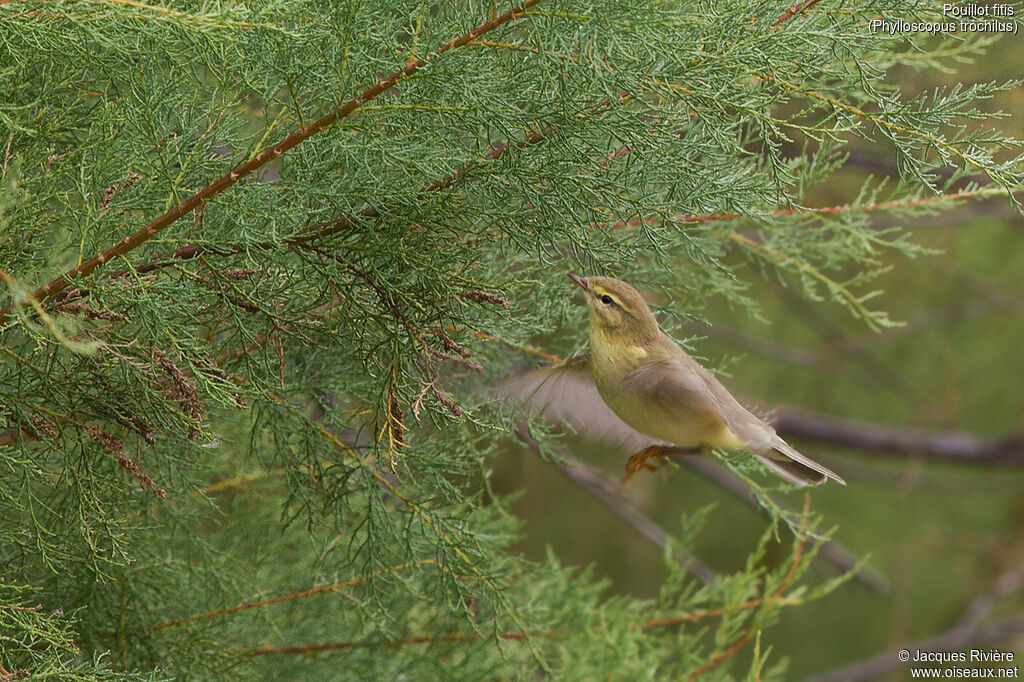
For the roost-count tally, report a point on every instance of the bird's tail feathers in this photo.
(794, 472)
(785, 461)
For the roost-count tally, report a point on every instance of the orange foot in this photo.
(639, 460)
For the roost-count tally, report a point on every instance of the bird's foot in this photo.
(640, 461)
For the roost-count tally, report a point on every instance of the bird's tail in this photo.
(785, 461)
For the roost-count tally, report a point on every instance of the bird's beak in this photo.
(581, 282)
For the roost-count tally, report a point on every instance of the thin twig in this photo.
(287, 597)
(527, 349)
(511, 635)
(983, 192)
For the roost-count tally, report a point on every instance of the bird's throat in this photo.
(612, 359)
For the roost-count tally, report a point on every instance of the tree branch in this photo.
(609, 492)
(833, 551)
(793, 11)
(954, 446)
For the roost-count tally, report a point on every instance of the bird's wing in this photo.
(676, 391)
(760, 439)
(566, 393)
(679, 385)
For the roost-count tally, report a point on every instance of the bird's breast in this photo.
(680, 423)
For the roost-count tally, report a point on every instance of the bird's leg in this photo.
(639, 460)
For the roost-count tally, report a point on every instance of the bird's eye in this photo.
(607, 300)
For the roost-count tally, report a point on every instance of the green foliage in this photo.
(276, 391)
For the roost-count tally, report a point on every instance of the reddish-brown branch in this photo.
(336, 646)
(825, 210)
(228, 180)
(190, 251)
(718, 658)
(695, 615)
(793, 11)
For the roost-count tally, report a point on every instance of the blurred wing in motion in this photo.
(566, 393)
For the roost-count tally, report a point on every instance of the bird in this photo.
(636, 386)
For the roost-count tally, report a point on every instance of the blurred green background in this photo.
(940, 533)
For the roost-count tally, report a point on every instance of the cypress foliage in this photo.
(260, 258)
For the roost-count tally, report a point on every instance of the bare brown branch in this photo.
(793, 11)
(830, 550)
(954, 446)
(609, 492)
(288, 597)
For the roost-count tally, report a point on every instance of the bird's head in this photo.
(617, 310)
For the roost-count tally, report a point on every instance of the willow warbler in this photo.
(636, 386)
